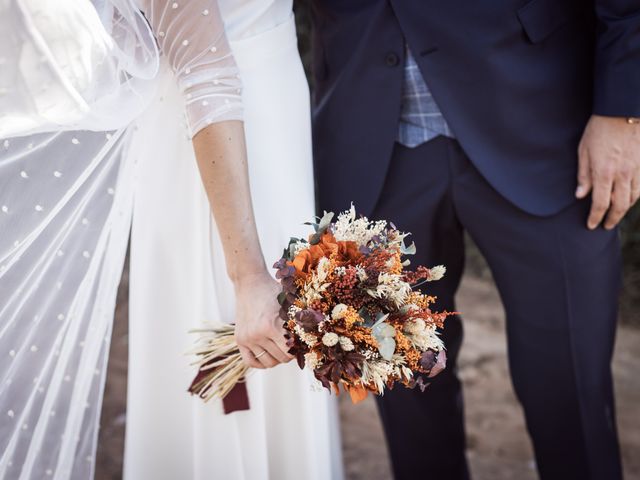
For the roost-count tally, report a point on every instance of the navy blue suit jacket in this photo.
(516, 79)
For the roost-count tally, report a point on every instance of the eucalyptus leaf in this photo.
(380, 317)
(281, 297)
(383, 330)
(384, 335)
(387, 347)
(289, 252)
(315, 238)
(325, 221)
(410, 250)
(364, 314)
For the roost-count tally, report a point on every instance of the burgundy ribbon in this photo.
(237, 399)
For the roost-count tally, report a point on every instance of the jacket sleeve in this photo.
(617, 58)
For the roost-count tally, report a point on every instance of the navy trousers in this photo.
(559, 284)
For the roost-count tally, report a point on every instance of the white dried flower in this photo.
(376, 373)
(415, 326)
(340, 271)
(339, 311)
(346, 344)
(392, 287)
(313, 289)
(425, 338)
(370, 354)
(361, 273)
(293, 309)
(344, 221)
(309, 339)
(311, 360)
(437, 272)
(330, 339)
(407, 373)
(398, 359)
(322, 270)
(297, 247)
(361, 230)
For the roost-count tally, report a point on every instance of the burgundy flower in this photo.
(428, 360)
(433, 362)
(309, 319)
(339, 365)
(440, 365)
(289, 284)
(283, 270)
(285, 299)
(296, 348)
(421, 384)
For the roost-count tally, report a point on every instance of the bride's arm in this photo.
(190, 34)
(221, 156)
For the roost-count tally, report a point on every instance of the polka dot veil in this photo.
(78, 75)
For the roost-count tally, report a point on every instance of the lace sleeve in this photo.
(191, 35)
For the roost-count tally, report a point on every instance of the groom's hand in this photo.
(259, 330)
(609, 167)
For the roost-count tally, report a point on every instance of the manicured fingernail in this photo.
(579, 191)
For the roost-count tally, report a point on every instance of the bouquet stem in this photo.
(220, 365)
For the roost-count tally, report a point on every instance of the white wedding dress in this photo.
(92, 133)
(178, 278)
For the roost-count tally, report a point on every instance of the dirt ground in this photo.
(498, 446)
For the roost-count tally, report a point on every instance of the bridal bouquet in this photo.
(351, 312)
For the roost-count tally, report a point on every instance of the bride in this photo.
(93, 143)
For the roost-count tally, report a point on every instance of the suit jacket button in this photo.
(391, 59)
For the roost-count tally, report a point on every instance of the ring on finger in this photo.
(260, 354)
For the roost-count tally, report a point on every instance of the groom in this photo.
(515, 121)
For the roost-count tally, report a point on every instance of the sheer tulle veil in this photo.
(66, 102)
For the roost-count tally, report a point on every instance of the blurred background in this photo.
(498, 446)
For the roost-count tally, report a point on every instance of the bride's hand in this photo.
(259, 330)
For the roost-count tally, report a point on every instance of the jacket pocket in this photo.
(540, 18)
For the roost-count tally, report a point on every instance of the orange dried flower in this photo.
(402, 342)
(340, 251)
(358, 393)
(351, 317)
(357, 334)
(319, 305)
(395, 266)
(412, 357)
